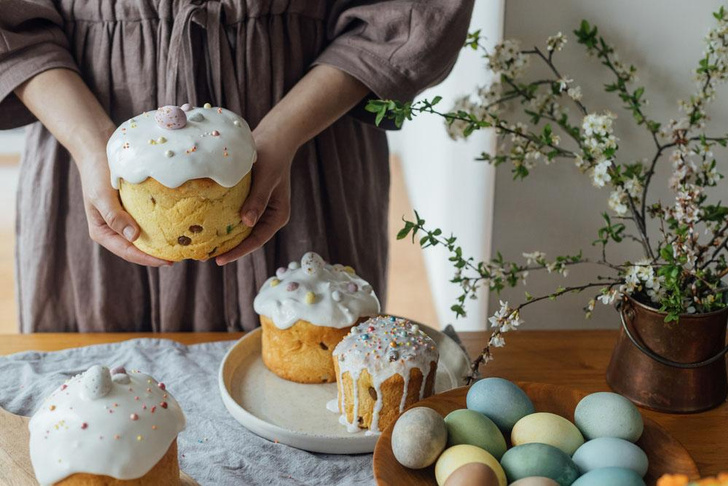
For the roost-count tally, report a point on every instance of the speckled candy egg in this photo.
(528, 460)
(606, 414)
(418, 437)
(501, 401)
(547, 428)
(470, 427)
(474, 473)
(462, 454)
(610, 452)
(312, 263)
(610, 476)
(535, 481)
(171, 117)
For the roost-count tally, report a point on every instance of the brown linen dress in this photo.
(245, 55)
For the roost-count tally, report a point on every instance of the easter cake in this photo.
(305, 311)
(183, 174)
(107, 428)
(382, 366)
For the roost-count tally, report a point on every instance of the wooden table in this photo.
(577, 359)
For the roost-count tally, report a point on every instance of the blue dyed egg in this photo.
(610, 476)
(535, 459)
(607, 414)
(610, 452)
(501, 401)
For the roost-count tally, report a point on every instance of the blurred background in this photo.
(555, 210)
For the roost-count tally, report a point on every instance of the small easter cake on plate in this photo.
(183, 173)
(382, 366)
(305, 311)
(107, 428)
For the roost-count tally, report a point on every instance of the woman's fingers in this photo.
(273, 220)
(115, 243)
(257, 201)
(113, 214)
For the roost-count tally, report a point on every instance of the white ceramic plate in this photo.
(295, 414)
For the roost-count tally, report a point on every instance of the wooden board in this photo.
(15, 466)
(666, 454)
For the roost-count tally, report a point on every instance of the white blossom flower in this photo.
(556, 42)
(600, 173)
(574, 93)
(563, 83)
(618, 201)
(608, 296)
(536, 257)
(507, 59)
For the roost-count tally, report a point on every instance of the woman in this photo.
(292, 68)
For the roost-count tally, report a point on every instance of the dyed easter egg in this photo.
(535, 481)
(462, 454)
(547, 428)
(418, 437)
(170, 117)
(470, 427)
(528, 460)
(610, 476)
(474, 473)
(499, 400)
(606, 414)
(610, 452)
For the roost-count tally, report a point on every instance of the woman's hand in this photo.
(268, 206)
(108, 224)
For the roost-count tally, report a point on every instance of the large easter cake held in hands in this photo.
(183, 173)
(305, 311)
(383, 365)
(107, 428)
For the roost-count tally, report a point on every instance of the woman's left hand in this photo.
(268, 206)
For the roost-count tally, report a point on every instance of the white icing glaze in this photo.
(384, 346)
(119, 429)
(214, 143)
(317, 292)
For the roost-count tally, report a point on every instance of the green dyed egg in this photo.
(547, 428)
(607, 414)
(528, 460)
(470, 427)
(610, 476)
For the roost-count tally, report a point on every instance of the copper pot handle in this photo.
(639, 345)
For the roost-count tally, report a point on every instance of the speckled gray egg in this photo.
(501, 401)
(535, 481)
(606, 414)
(470, 427)
(418, 437)
(535, 459)
(610, 452)
(609, 476)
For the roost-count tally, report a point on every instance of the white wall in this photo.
(556, 209)
(445, 185)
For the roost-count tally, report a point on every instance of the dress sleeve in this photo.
(397, 48)
(31, 41)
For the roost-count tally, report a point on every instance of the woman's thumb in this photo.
(116, 218)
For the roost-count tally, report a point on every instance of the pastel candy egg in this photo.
(547, 428)
(474, 473)
(186, 107)
(499, 400)
(535, 481)
(170, 117)
(281, 271)
(610, 476)
(197, 117)
(528, 460)
(418, 437)
(607, 414)
(96, 383)
(469, 427)
(312, 263)
(462, 454)
(611, 452)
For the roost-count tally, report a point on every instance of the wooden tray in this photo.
(666, 454)
(15, 466)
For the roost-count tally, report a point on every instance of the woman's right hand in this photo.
(108, 224)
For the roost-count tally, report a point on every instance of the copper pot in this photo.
(676, 367)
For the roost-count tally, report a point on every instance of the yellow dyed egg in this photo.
(462, 454)
(547, 428)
